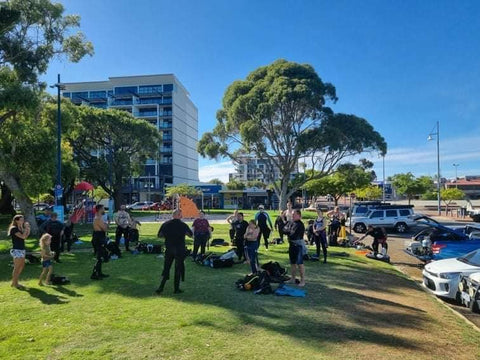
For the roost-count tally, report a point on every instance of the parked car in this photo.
(155, 206)
(468, 287)
(361, 208)
(139, 205)
(436, 241)
(40, 206)
(443, 276)
(398, 217)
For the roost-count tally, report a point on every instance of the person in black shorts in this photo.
(295, 230)
(99, 235)
(240, 226)
(174, 232)
(379, 237)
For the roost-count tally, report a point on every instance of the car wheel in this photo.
(360, 228)
(401, 228)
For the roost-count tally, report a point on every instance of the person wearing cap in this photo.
(264, 224)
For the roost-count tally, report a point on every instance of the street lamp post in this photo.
(456, 177)
(430, 137)
(58, 186)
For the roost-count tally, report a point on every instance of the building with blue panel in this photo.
(164, 102)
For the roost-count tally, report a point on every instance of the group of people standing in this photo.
(246, 236)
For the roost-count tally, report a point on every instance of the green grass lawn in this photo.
(355, 308)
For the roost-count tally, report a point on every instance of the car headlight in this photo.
(449, 275)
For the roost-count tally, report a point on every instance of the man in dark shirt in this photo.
(54, 227)
(379, 237)
(174, 232)
(295, 230)
(263, 221)
(240, 227)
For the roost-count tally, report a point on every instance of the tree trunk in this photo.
(117, 199)
(6, 206)
(283, 196)
(23, 200)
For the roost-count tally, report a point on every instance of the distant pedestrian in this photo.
(47, 256)
(174, 232)
(67, 237)
(201, 233)
(18, 230)
(264, 224)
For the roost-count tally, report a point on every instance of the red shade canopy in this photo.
(83, 186)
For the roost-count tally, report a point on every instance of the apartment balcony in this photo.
(165, 126)
(145, 113)
(119, 102)
(166, 149)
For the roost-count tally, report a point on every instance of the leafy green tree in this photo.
(407, 185)
(451, 194)
(182, 190)
(215, 181)
(111, 145)
(235, 185)
(256, 184)
(32, 33)
(370, 192)
(269, 114)
(347, 178)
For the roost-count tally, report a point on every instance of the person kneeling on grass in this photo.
(379, 237)
(47, 256)
(295, 230)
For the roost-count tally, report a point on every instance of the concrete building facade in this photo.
(164, 102)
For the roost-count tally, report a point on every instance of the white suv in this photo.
(396, 217)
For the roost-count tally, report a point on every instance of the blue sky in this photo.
(402, 65)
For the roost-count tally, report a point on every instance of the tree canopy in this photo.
(344, 180)
(409, 186)
(182, 190)
(110, 144)
(32, 32)
(275, 112)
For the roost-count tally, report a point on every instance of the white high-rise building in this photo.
(164, 102)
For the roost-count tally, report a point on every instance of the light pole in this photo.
(456, 177)
(430, 137)
(58, 186)
(383, 187)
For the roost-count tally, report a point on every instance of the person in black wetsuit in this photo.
(174, 232)
(295, 230)
(379, 237)
(262, 218)
(100, 229)
(240, 226)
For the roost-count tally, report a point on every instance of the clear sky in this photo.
(402, 65)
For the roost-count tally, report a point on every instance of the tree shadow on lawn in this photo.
(331, 312)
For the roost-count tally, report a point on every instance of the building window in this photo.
(110, 93)
(167, 99)
(149, 89)
(66, 94)
(80, 94)
(98, 94)
(124, 90)
(168, 87)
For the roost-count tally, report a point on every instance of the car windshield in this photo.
(472, 258)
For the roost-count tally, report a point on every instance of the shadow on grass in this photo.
(333, 312)
(46, 298)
